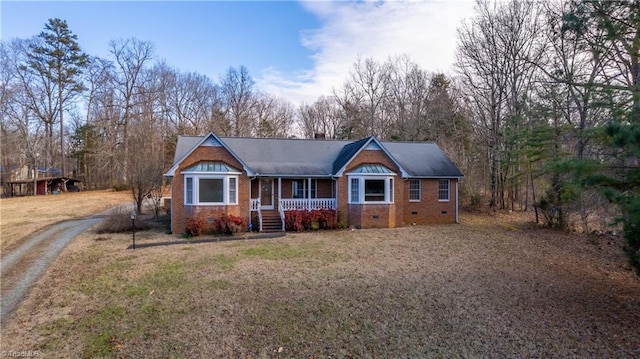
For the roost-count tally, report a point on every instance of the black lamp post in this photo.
(132, 215)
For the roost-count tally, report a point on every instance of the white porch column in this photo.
(309, 194)
(279, 191)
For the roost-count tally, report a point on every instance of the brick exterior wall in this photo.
(429, 210)
(369, 215)
(400, 213)
(180, 212)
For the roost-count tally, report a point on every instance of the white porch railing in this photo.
(292, 204)
(255, 204)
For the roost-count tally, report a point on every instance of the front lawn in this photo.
(488, 287)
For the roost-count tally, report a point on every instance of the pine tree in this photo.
(59, 58)
(618, 42)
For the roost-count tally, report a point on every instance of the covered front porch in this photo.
(271, 197)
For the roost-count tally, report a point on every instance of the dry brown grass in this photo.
(490, 287)
(20, 217)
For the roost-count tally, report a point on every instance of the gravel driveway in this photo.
(23, 266)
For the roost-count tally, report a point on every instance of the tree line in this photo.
(541, 113)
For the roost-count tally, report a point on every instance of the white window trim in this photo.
(419, 190)
(448, 190)
(305, 190)
(196, 189)
(388, 188)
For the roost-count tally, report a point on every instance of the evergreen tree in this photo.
(618, 41)
(59, 58)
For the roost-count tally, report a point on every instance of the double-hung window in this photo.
(415, 189)
(299, 188)
(443, 190)
(210, 183)
(354, 186)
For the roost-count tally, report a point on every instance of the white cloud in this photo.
(425, 30)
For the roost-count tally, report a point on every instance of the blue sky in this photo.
(296, 50)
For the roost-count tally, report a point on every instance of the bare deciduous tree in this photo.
(239, 99)
(131, 56)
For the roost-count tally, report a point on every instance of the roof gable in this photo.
(373, 146)
(186, 146)
(211, 141)
(352, 150)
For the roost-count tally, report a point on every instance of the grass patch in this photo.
(50, 209)
(168, 276)
(101, 339)
(135, 290)
(99, 345)
(225, 262)
(274, 251)
(283, 251)
(218, 284)
(448, 291)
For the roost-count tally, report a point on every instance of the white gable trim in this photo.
(373, 146)
(210, 140)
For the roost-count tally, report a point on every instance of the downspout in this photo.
(280, 211)
(171, 210)
(457, 206)
(335, 196)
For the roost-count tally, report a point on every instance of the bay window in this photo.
(211, 190)
(371, 189)
(210, 183)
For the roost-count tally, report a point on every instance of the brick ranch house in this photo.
(371, 183)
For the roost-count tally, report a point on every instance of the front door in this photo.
(266, 193)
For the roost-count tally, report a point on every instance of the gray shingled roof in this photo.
(301, 157)
(422, 159)
(346, 153)
(268, 156)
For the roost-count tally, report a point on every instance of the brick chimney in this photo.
(318, 136)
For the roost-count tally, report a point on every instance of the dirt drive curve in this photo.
(23, 266)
